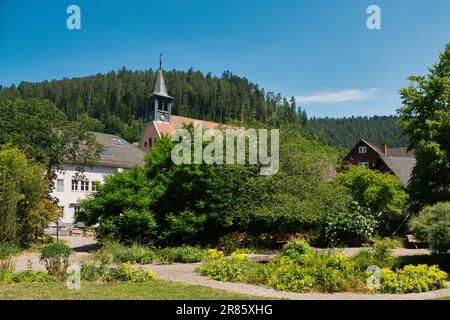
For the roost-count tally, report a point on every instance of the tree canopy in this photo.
(425, 118)
(45, 134)
(24, 205)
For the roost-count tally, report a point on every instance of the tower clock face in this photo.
(162, 117)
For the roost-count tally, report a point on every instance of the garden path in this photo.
(80, 245)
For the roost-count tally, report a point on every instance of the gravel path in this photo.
(186, 273)
(80, 245)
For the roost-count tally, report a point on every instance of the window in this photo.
(74, 185)
(363, 150)
(95, 185)
(150, 142)
(60, 185)
(84, 185)
(364, 164)
(145, 144)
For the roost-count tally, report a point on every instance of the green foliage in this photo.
(183, 254)
(295, 248)
(432, 226)
(56, 258)
(123, 204)
(345, 132)
(167, 204)
(233, 269)
(389, 242)
(353, 222)
(29, 276)
(410, 279)
(123, 95)
(24, 206)
(300, 269)
(425, 119)
(44, 134)
(112, 251)
(380, 255)
(383, 194)
(124, 273)
(7, 252)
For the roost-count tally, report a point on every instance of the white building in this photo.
(71, 186)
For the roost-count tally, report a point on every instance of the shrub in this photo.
(390, 242)
(295, 248)
(92, 272)
(381, 193)
(29, 276)
(410, 279)
(113, 251)
(7, 251)
(56, 258)
(218, 267)
(354, 222)
(380, 255)
(129, 274)
(141, 254)
(124, 273)
(432, 225)
(184, 254)
(24, 207)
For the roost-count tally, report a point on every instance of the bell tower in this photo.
(160, 103)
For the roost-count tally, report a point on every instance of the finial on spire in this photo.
(160, 61)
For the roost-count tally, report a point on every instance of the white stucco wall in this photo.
(68, 198)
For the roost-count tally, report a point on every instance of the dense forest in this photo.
(345, 132)
(118, 99)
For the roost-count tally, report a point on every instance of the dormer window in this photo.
(363, 150)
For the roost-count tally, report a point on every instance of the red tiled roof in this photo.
(178, 121)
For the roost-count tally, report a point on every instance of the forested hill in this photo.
(118, 99)
(345, 132)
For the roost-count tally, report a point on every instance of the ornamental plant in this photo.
(56, 258)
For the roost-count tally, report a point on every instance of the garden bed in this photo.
(300, 269)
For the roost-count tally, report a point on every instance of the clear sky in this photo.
(318, 51)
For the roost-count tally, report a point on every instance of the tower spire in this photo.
(160, 85)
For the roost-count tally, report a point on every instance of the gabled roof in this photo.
(402, 167)
(365, 142)
(117, 152)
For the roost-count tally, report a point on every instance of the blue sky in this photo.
(318, 51)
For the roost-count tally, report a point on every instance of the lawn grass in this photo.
(443, 298)
(157, 290)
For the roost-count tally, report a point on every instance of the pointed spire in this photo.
(160, 85)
